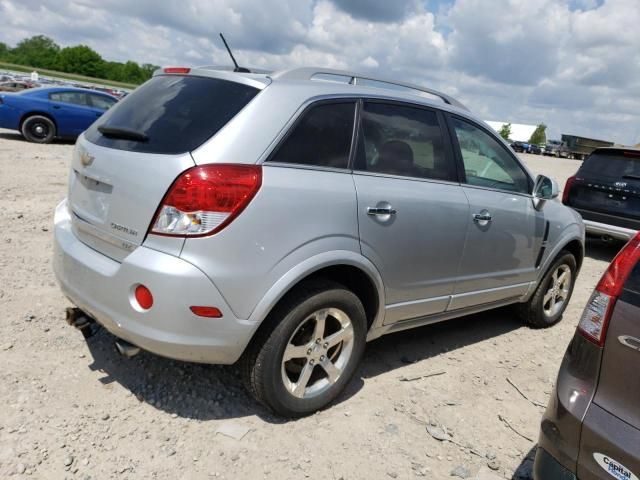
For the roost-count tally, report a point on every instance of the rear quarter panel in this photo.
(297, 215)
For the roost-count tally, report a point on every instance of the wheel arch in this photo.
(26, 115)
(576, 248)
(347, 268)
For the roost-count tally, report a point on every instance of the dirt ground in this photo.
(77, 409)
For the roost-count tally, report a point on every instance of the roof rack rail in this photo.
(307, 73)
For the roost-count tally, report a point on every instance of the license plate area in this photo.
(90, 197)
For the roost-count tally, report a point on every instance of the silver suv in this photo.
(283, 220)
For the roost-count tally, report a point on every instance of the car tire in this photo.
(316, 372)
(549, 301)
(38, 129)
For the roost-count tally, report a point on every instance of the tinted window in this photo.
(633, 282)
(322, 137)
(102, 102)
(77, 98)
(612, 165)
(486, 162)
(176, 114)
(402, 140)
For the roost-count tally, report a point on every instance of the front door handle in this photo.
(482, 217)
(381, 211)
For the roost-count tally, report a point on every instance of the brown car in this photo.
(591, 429)
(13, 86)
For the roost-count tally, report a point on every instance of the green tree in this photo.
(37, 51)
(133, 73)
(505, 131)
(114, 71)
(81, 60)
(539, 135)
(4, 51)
(148, 69)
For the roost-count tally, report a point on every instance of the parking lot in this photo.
(77, 409)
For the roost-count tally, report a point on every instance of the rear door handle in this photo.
(483, 216)
(381, 211)
(630, 342)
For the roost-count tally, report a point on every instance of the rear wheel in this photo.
(308, 350)
(38, 129)
(550, 300)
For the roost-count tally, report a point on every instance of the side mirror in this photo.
(544, 189)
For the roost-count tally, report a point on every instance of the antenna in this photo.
(237, 67)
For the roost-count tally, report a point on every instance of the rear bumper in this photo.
(597, 228)
(546, 467)
(104, 288)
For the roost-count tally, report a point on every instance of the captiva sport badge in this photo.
(615, 469)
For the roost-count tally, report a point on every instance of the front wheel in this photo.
(308, 351)
(38, 129)
(550, 300)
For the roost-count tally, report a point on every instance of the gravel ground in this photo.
(77, 409)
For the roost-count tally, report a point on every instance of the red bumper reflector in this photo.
(211, 312)
(144, 297)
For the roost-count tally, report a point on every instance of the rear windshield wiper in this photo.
(122, 133)
(633, 177)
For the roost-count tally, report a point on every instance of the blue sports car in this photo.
(42, 114)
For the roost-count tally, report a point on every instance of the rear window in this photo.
(175, 114)
(615, 164)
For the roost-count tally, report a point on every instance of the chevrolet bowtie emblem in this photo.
(86, 159)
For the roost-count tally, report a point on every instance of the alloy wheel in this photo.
(558, 293)
(317, 353)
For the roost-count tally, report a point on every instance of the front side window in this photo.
(322, 137)
(76, 98)
(402, 140)
(486, 162)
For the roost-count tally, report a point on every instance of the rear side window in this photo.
(321, 138)
(102, 102)
(173, 114)
(76, 98)
(402, 140)
(614, 164)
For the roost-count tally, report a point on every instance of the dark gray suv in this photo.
(591, 429)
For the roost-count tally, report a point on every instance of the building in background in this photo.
(519, 131)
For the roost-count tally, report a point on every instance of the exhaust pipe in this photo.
(127, 349)
(80, 320)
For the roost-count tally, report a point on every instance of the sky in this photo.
(571, 64)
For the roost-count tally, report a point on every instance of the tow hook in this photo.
(127, 349)
(78, 319)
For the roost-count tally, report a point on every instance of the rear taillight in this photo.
(205, 199)
(567, 189)
(595, 318)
